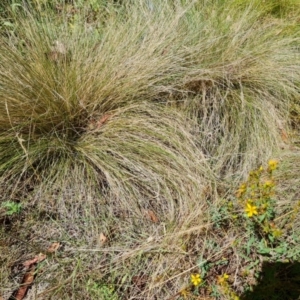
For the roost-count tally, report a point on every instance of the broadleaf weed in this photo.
(252, 216)
(12, 207)
(101, 291)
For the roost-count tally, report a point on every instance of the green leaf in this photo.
(281, 249)
(271, 238)
(12, 207)
(14, 6)
(249, 244)
(262, 218)
(263, 248)
(8, 24)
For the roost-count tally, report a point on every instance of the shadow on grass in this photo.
(277, 281)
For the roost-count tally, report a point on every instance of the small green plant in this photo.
(101, 291)
(12, 207)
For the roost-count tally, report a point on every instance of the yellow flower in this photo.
(260, 169)
(268, 184)
(223, 279)
(277, 233)
(196, 279)
(266, 228)
(250, 209)
(184, 293)
(243, 186)
(272, 164)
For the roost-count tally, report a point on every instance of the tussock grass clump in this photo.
(125, 131)
(242, 75)
(73, 105)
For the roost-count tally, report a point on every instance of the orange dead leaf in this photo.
(151, 216)
(284, 135)
(102, 238)
(36, 259)
(30, 262)
(28, 278)
(53, 248)
(103, 120)
(26, 282)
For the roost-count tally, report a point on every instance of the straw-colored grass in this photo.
(125, 130)
(242, 74)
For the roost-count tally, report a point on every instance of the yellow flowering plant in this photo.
(251, 213)
(250, 209)
(184, 293)
(225, 287)
(256, 197)
(272, 165)
(222, 279)
(196, 279)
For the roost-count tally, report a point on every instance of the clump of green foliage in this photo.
(11, 207)
(101, 291)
